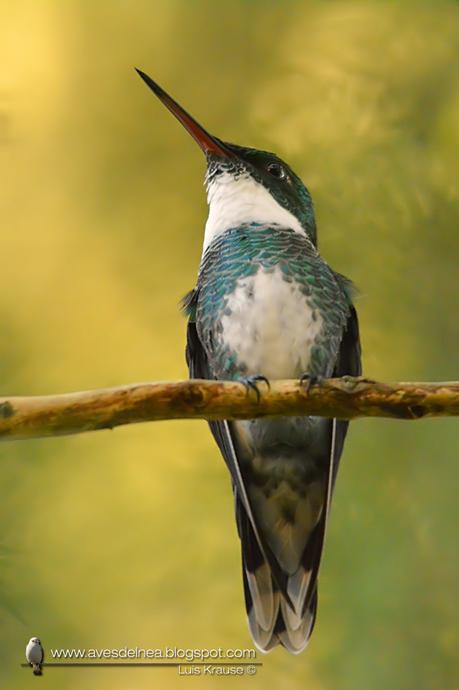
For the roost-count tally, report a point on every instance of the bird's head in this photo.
(244, 184)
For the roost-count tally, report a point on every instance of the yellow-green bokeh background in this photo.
(127, 537)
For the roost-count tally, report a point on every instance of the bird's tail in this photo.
(36, 668)
(278, 612)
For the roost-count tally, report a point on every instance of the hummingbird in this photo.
(266, 306)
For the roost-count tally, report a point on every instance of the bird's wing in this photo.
(198, 365)
(271, 618)
(199, 368)
(348, 363)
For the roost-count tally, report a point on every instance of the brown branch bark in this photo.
(346, 398)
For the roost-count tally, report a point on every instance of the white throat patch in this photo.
(242, 200)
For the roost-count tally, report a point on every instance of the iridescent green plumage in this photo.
(242, 252)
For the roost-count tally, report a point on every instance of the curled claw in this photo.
(308, 380)
(251, 384)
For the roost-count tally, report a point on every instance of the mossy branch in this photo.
(345, 398)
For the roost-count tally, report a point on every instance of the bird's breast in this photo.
(270, 324)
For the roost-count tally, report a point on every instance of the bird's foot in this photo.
(251, 383)
(308, 380)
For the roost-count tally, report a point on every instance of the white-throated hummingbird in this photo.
(267, 306)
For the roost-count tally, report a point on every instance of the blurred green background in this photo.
(128, 537)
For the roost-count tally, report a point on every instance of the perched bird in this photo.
(267, 306)
(34, 655)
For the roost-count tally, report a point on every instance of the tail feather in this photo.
(274, 618)
(265, 600)
(298, 629)
(261, 627)
(290, 629)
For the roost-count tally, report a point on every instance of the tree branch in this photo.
(345, 398)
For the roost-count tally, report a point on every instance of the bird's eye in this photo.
(276, 170)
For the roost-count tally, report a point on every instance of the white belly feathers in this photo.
(270, 325)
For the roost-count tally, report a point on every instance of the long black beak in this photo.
(206, 141)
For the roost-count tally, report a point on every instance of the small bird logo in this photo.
(35, 655)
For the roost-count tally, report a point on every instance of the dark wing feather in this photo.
(198, 365)
(304, 588)
(348, 363)
(199, 368)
